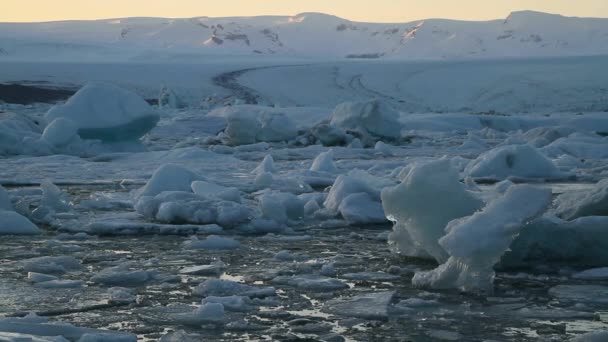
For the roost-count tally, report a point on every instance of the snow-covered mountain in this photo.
(521, 34)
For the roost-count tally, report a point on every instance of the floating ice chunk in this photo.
(12, 223)
(356, 143)
(5, 201)
(120, 295)
(288, 256)
(212, 242)
(281, 207)
(366, 306)
(352, 183)
(169, 177)
(324, 163)
(167, 98)
(42, 330)
(60, 132)
(370, 276)
(572, 205)
(106, 112)
(107, 337)
(311, 282)
(122, 275)
(18, 337)
(582, 242)
(311, 207)
(328, 270)
(209, 189)
(592, 274)
(258, 147)
(361, 208)
(53, 198)
(383, 148)
(476, 243)
(210, 313)
(429, 197)
(266, 166)
(276, 127)
(445, 335)
(60, 284)
(214, 269)
(231, 303)
(520, 161)
(39, 277)
(242, 128)
(224, 288)
(52, 264)
(264, 180)
(579, 146)
(329, 135)
(186, 207)
(595, 336)
(580, 293)
(374, 117)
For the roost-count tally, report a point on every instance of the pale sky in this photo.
(359, 10)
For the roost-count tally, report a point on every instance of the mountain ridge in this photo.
(309, 34)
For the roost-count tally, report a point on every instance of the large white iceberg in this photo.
(106, 112)
(169, 177)
(429, 197)
(519, 161)
(476, 243)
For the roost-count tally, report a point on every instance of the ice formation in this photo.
(266, 166)
(169, 177)
(584, 203)
(187, 207)
(519, 161)
(374, 117)
(249, 126)
(167, 98)
(356, 196)
(210, 189)
(324, 163)
(60, 132)
(11, 222)
(476, 243)
(106, 112)
(429, 197)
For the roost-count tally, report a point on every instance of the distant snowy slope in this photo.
(522, 34)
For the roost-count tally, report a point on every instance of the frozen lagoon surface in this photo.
(298, 237)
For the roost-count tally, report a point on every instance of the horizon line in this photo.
(292, 16)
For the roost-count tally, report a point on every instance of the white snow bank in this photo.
(519, 161)
(106, 112)
(476, 243)
(187, 207)
(429, 197)
(572, 205)
(169, 177)
(374, 117)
